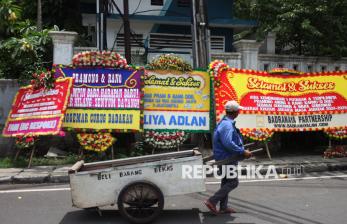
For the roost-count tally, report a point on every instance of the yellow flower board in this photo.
(102, 119)
(177, 101)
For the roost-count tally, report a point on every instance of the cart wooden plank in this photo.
(138, 159)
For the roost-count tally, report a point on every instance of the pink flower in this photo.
(61, 133)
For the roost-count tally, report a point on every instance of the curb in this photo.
(6, 180)
(30, 180)
(56, 179)
(337, 167)
(35, 175)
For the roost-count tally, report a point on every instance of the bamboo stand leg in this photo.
(81, 151)
(267, 150)
(112, 152)
(31, 156)
(17, 154)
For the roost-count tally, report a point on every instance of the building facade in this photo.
(164, 26)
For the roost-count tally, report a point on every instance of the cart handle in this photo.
(76, 167)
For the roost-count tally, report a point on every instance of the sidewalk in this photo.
(308, 163)
(58, 174)
(35, 175)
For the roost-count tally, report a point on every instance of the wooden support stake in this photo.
(267, 150)
(112, 152)
(81, 151)
(31, 156)
(17, 154)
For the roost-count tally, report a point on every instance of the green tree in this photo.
(39, 15)
(63, 13)
(304, 27)
(9, 15)
(23, 49)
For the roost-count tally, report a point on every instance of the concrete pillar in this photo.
(271, 43)
(249, 50)
(63, 43)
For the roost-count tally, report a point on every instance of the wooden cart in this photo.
(137, 185)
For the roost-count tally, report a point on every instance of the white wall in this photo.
(232, 59)
(302, 62)
(8, 89)
(144, 6)
(115, 25)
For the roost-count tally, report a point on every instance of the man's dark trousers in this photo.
(227, 185)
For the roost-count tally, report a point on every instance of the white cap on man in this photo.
(232, 106)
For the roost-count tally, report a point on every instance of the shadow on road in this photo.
(193, 216)
(113, 216)
(83, 216)
(208, 218)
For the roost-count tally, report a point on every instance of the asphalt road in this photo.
(312, 200)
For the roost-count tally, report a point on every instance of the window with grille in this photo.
(323, 68)
(309, 68)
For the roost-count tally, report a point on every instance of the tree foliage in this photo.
(9, 14)
(24, 49)
(304, 27)
(63, 13)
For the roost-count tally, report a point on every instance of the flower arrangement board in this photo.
(39, 111)
(276, 102)
(103, 98)
(177, 100)
(98, 142)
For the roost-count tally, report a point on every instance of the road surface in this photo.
(316, 199)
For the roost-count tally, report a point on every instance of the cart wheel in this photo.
(140, 202)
